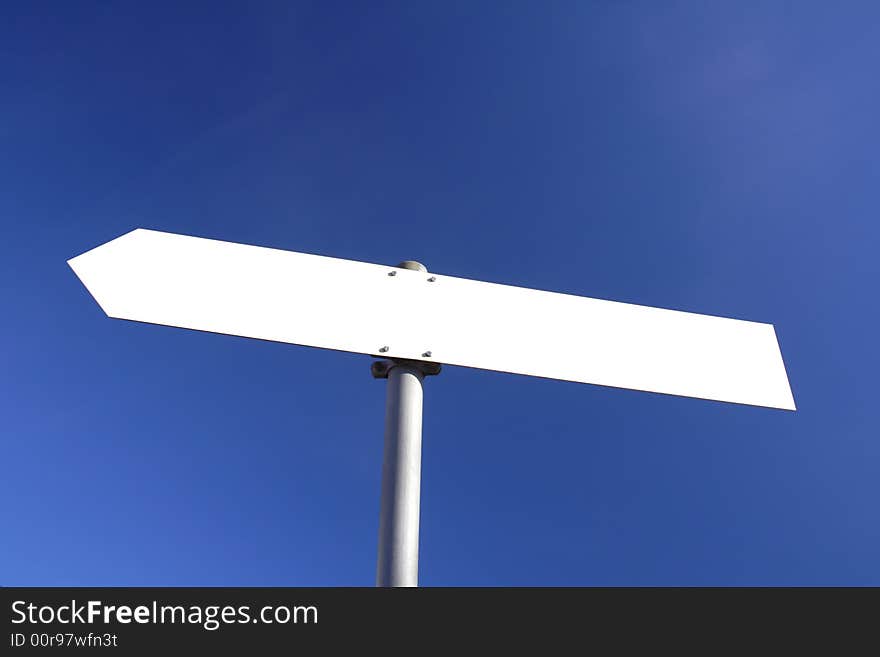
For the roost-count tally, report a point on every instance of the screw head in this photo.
(431, 279)
(427, 354)
(383, 349)
(392, 273)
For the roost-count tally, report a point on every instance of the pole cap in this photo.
(412, 265)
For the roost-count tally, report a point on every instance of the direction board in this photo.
(271, 294)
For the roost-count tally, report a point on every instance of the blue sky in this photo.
(710, 157)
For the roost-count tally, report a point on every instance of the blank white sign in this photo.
(256, 292)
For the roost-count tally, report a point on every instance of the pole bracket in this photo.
(380, 368)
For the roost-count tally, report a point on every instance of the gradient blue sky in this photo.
(710, 157)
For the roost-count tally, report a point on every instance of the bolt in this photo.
(427, 354)
(392, 273)
(432, 279)
(383, 349)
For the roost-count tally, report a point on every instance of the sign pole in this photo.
(398, 559)
(398, 554)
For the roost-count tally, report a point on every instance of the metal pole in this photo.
(398, 558)
(398, 561)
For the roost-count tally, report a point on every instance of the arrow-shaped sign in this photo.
(257, 292)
